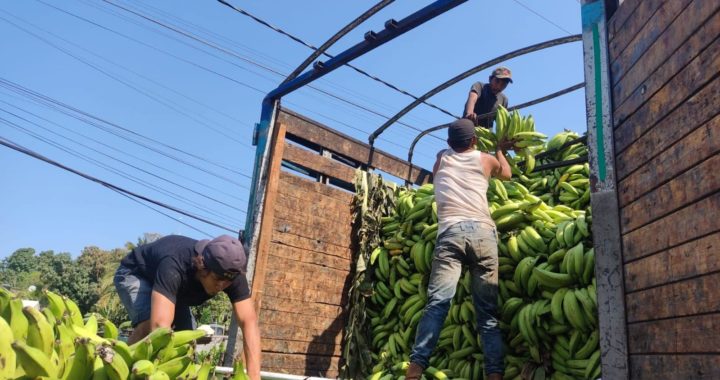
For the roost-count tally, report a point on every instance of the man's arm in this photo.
(248, 322)
(162, 311)
(502, 170)
(470, 105)
(436, 166)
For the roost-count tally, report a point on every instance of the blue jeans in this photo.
(474, 244)
(135, 292)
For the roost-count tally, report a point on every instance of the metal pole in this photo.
(482, 66)
(603, 196)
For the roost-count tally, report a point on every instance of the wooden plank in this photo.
(346, 146)
(289, 208)
(299, 347)
(295, 291)
(318, 163)
(634, 98)
(341, 228)
(281, 331)
(695, 183)
(268, 214)
(310, 229)
(313, 365)
(287, 304)
(328, 324)
(309, 272)
(327, 260)
(619, 38)
(689, 297)
(682, 156)
(673, 367)
(291, 181)
(620, 17)
(313, 204)
(692, 259)
(694, 334)
(686, 224)
(672, 24)
(692, 78)
(309, 244)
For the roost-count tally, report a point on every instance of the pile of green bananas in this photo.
(58, 343)
(547, 298)
(519, 130)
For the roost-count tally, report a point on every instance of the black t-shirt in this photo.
(487, 102)
(167, 263)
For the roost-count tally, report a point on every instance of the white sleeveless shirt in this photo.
(461, 189)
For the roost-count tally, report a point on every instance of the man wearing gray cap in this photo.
(486, 98)
(158, 282)
(466, 235)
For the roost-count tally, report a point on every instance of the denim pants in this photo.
(135, 293)
(474, 244)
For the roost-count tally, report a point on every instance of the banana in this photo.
(34, 362)
(556, 305)
(91, 324)
(80, 364)
(588, 306)
(572, 311)
(141, 349)
(74, 312)
(115, 366)
(16, 319)
(568, 234)
(159, 338)
(579, 262)
(39, 333)
(99, 371)
(552, 280)
(7, 354)
(588, 266)
(589, 347)
(110, 331)
(55, 303)
(143, 368)
(204, 372)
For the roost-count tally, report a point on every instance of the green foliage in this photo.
(216, 310)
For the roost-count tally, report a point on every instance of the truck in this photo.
(653, 133)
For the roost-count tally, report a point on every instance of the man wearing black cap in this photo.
(485, 98)
(158, 282)
(466, 235)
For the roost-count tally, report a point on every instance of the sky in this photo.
(160, 97)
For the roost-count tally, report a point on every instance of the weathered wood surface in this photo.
(694, 183)
(295, 183)
(317, 163)
(616, 25)
(673, 97)
(699, 145)
(686, 224)
(313, 365)
(673, 367)
(698, 257)
(694, 334)
(683, 56)
(693, 296)
(315, 133)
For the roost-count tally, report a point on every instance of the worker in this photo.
(466, 235)
(486, 98)
(158, 282)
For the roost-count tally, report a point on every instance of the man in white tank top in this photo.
(466, 235)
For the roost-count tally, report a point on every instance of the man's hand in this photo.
(472, 117)
(505, 145)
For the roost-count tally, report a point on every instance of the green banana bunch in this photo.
(7, 354)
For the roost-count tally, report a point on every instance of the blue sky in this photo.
(173, 117)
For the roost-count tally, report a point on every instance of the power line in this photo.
(10, 144)
(542, 17)
(227, 51)
(118, 150)
(300, 41)
(109, 168)
(260, 91)
(116, 78)
(127, 163)
(100, 123)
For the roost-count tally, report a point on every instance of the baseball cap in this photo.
(461, 130)
(224, 256)
(502, 73)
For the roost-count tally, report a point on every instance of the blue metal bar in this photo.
(345, 30)
(372, 40)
